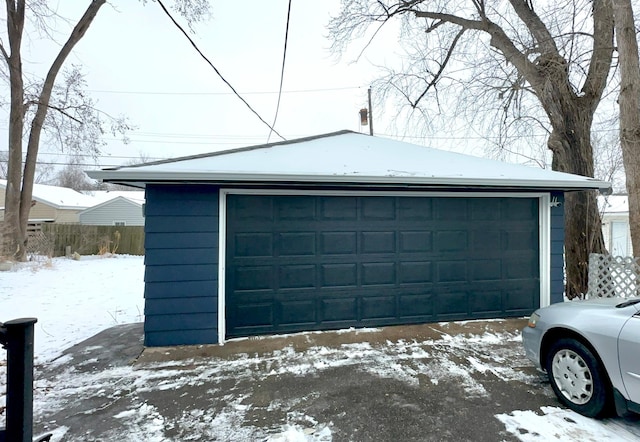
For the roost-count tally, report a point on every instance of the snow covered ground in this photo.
(74, 300)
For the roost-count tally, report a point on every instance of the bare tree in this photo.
(544, 66)
(72, 176)
(629, 101)
(20, 180)
(62, 109)
(44, 171)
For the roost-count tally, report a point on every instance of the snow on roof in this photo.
(101, 196)
(348, 157)
(133, 203)
(59, 197)
(614, 203)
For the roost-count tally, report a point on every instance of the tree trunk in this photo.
(17, 209)
(572, 152)
(629, 101)
(13, 236)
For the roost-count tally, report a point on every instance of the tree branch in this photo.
(600, 63)
(76, 35)
(499, 40)
(4, 53)
(537, 28)
(441, 69)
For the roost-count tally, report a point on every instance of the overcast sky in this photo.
(140, 65)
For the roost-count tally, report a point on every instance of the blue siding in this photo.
(557, 249)
(181, 265)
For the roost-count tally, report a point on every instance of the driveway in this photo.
(464, 381)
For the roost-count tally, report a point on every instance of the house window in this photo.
(119, 223)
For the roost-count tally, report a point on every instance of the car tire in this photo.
(578, 378)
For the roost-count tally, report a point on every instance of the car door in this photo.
(629, 354)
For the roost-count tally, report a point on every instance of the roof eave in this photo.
(142, 177)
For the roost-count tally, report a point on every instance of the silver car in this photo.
(591, 353)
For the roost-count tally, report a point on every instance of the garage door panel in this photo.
(485, 209)
(298, 208)
(339, 208)
(521, 209)
(254, 315)
(340, 261)
(485, 240)
(253, 208)
(253, 244)
(338, 243)
(337, 275)
(487, 301)
(297, 276)
(520, 267)
(415, 272)
(378, 307)
(253, 277)
(378, 208)
(416, 241)
(451, 271)
(451, 241)
(451, 302)
(378, 242)
(297, 244)
(485, 270)
(520, 239)
(376, 273)
(418, 305)
(451, 209)
(298, 312)
(515, 298)
(415, 209)
(339, 309)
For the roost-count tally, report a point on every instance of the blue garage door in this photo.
(298, 263)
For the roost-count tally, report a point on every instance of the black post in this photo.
(17, 337)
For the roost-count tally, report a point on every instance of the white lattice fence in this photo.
(613, 276)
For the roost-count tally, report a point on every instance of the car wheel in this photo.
(578, 378)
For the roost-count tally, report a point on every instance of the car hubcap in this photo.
(572, 377)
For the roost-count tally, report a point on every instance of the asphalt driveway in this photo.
(448, 381)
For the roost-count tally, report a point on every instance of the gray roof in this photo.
(347, 158)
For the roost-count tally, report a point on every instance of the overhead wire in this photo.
(293, 91)
(284, 58)
(195, 46)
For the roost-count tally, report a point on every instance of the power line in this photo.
(214, 68)
(294, 91)
(284, 57)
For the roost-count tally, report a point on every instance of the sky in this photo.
(138, 64)
(71, 309)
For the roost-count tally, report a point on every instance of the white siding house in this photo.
(615, 224)
(118, 211)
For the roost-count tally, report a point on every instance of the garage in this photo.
(319, 262)
(343, 230)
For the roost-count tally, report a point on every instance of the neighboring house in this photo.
(116, 209)
(343, 230)
(615, 224)
(53, 204)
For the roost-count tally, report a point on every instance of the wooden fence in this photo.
(88, 240)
